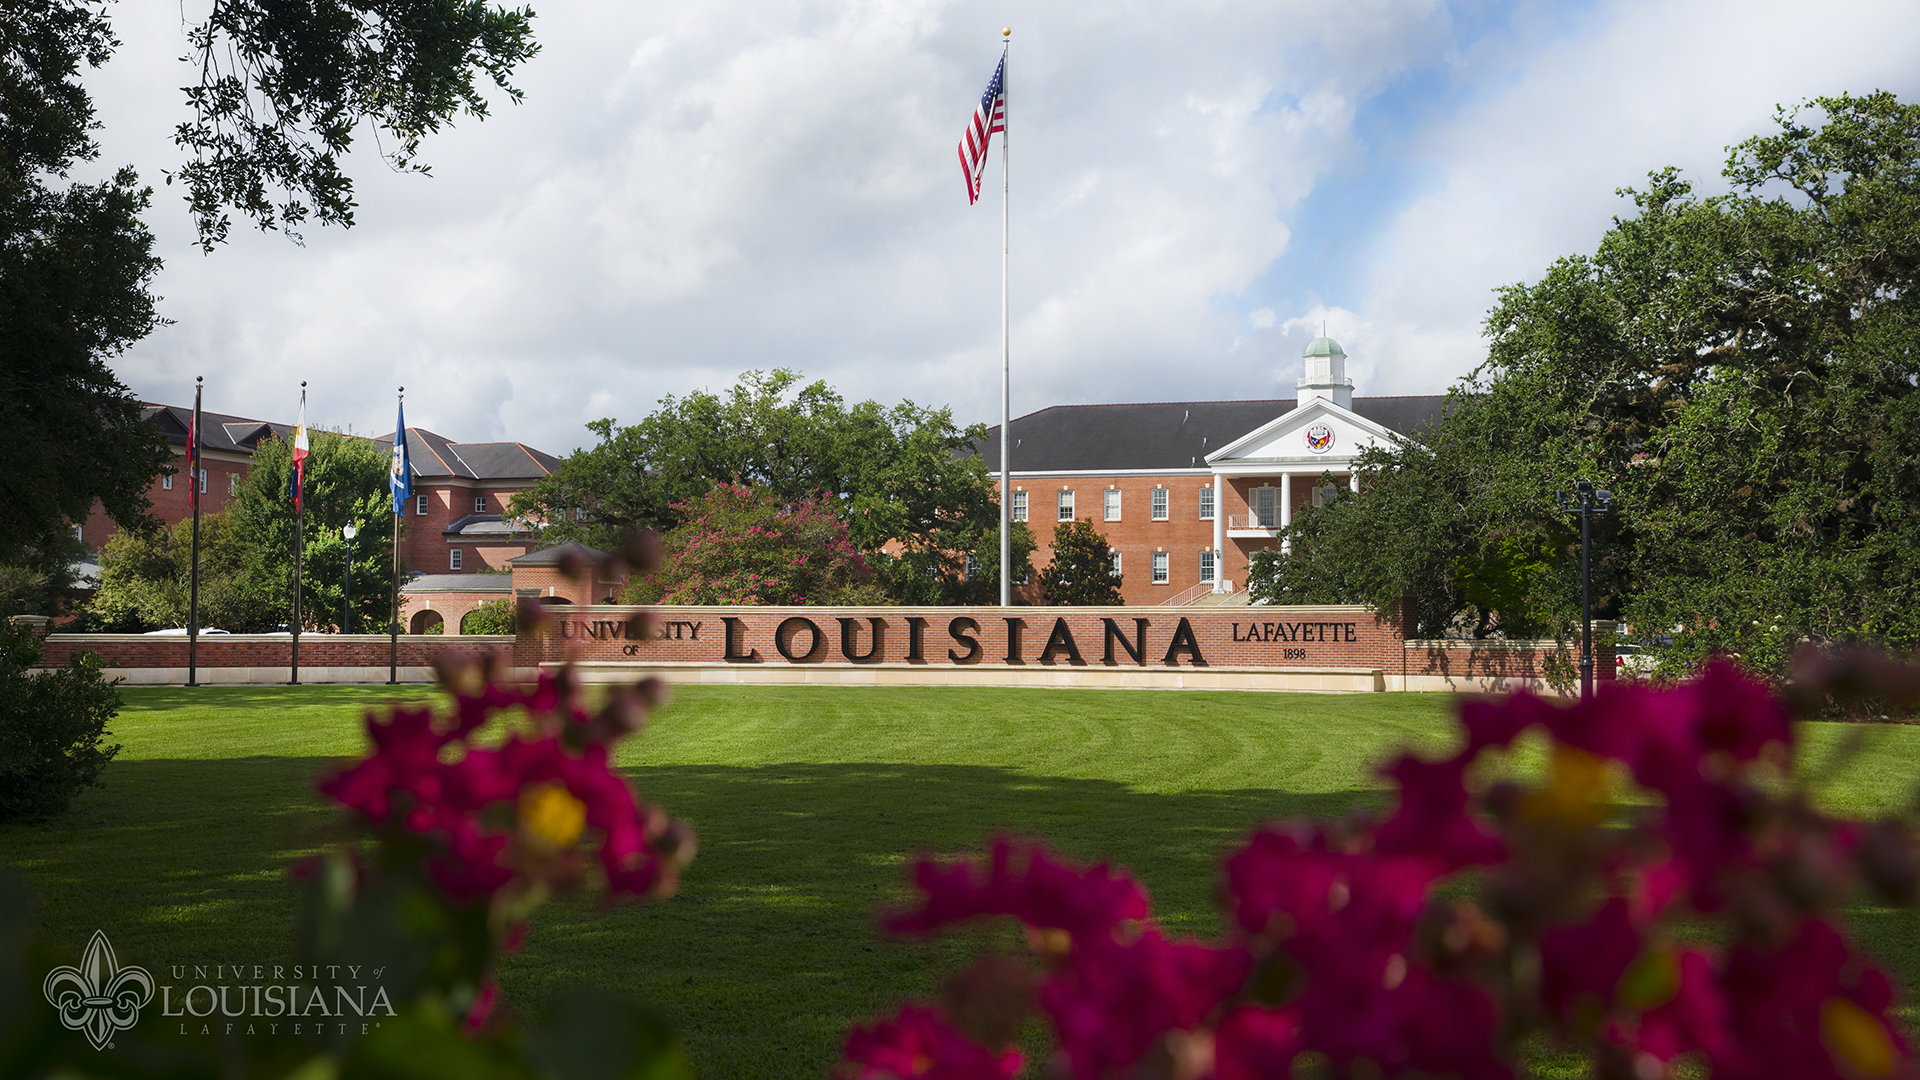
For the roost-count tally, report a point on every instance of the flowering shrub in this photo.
(1568, 911)
(474, 831)
(739, 544)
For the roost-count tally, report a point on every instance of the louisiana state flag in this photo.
(401, 478)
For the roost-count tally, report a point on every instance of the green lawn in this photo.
(807, 801)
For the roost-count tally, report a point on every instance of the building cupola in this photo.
(1326, 374)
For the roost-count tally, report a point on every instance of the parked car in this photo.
(181, 631)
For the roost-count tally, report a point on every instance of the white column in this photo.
(1219, 533)
(1286, 504)
(1353, 482)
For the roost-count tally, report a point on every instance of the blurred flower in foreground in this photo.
(1567, 897)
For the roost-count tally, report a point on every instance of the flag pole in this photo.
(193, 572)
(1006, 462)
(399, 507)
(299, 542)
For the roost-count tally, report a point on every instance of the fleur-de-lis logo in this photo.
(99, 997)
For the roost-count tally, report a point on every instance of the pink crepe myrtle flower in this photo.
(1338, 946)
(919, 1044)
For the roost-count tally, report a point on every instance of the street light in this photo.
(1586, 502)
(346, 617)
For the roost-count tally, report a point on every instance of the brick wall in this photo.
(1270, 637)
(257, 650)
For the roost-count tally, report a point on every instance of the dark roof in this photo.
(433, 456)
(553, 555)
(437, 457)
(1167, 434)
(474, 582)
(487, 526)
(234, 434)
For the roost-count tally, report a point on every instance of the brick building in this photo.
(1187, 491)
(455, 523)
(228, 447)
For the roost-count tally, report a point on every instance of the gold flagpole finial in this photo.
(1006, 31)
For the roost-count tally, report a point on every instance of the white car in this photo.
(181, 631)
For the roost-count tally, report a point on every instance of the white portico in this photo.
(1255, 474)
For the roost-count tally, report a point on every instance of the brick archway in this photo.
(423, 621)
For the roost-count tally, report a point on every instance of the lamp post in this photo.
(1586, 502)
(348, 531)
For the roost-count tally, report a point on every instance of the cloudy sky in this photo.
(692, 190)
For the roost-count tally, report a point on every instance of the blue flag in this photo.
(401, 478)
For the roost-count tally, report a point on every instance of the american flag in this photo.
(988, 120)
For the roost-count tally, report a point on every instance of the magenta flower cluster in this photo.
(519, 813)
(1574, 907)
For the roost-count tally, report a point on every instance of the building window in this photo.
(453, 559)
(166, 482)
(420, 506)
(973, 566)
(1019, 506)
(1159, 504)
(1025, 575)
(1265, 503)
(1159, 568)
(1324, 496)
(1206, 566)
(1116, 564)
(1206, 504)
(1110, 504)
(203, 481)
(233, 484)
(1066, 506)
(579, 513)
(479, 504)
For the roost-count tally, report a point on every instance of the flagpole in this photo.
(299, 542)
(393, 624)
(1006, 462)
(193, 573)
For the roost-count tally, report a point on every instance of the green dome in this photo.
(1324, 346)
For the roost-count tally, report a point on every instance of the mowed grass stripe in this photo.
(808, 801)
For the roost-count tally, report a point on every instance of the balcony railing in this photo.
(1253, 521)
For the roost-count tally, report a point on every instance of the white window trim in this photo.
(453, 558)
(203, 481)
(1110, 504)
(1063, 503)
(1162, 573)
(479, 504)
(1116, 564)
(1209, 568)
(1159, 505)
(1209, 504)
(1019, 506)
(1253, 508)
(166, 482)
(420, 506)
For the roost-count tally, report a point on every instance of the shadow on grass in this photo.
(770, 950)
(763, 959)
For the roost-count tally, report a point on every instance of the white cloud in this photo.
(691, 192)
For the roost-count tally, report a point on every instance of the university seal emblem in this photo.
(99, 997)
(1319, 438)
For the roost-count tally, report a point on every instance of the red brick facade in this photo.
(1138, 536)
